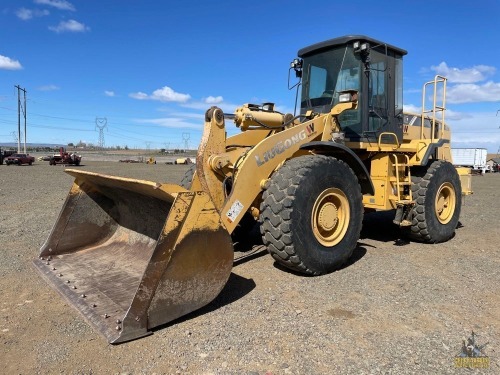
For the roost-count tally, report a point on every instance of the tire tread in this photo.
(277, 206)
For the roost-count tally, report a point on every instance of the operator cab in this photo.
(371, 67)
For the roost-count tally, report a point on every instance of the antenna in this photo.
(185, 137)
(101, 123)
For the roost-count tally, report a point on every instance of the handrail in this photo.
(388, 133)
(438, 79)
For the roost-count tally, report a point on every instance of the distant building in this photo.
(493, 164)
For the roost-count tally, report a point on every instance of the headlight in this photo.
(348, 96)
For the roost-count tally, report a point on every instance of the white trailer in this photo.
(474, 158)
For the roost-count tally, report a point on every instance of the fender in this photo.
(431, 150)
(345, 154)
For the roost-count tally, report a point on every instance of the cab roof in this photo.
(343, 40)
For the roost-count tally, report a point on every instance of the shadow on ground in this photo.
(378, 226)
(236, 287)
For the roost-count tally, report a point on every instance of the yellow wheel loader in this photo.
(131, 255)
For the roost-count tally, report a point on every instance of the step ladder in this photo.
(401, 178)
(401, 184)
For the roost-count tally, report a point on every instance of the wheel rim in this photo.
(445, 203)
(330, 217)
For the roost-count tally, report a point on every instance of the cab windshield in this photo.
(326, 74)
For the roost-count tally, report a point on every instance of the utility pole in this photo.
(498, 151)
(19, 108)
(185, 137)
(101, 123)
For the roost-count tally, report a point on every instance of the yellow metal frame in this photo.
(252, 166)
(438, 82)
(251, 157)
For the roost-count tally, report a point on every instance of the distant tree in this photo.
(118, 148)
(70, 144)
(126, 147)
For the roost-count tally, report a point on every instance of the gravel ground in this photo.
(396, 308)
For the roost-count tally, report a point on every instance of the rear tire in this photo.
(437, 193)
(311, 214)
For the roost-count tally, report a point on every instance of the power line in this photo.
(86, 121)
(59, 118)
(34, 125)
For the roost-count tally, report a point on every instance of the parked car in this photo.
(20, 159)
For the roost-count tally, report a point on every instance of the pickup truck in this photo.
(19, 159)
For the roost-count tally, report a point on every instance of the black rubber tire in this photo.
(426, 226)
(286, 213)
(188, 177)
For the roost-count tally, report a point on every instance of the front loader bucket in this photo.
(131, 255)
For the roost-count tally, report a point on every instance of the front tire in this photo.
(311, 214)
(437, 194)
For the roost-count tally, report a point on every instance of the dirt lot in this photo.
(396, 308)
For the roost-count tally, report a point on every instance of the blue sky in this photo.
(152, 68)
